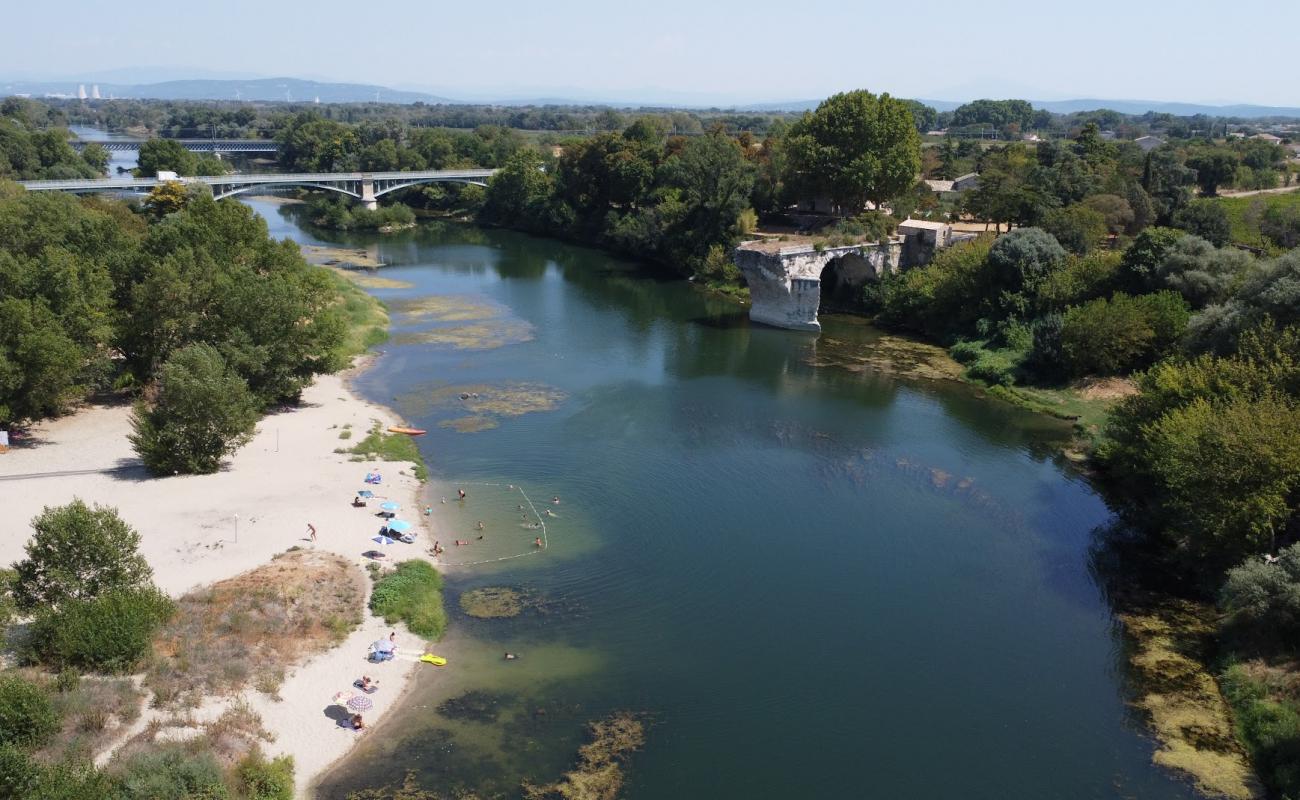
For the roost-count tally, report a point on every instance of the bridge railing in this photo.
(266, 177)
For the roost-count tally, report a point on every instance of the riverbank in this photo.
(197, 530)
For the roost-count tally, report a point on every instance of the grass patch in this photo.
(365, 317)
(412, 593)
(1267, 722)
(495, 602)
(1243, 217)
(91, 711)
(246, 630)
(1087, 411)
(345, 434)
(379, 444)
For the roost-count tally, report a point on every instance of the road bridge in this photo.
(365, 186)
(193, 145)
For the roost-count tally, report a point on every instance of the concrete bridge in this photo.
(788, 285)
(193, 145)
(365, 186)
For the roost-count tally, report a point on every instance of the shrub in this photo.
(1137, 272)
(1022, 259)
(1201, 273)
(1281, 224)
(259, 779)
(965, 352)
(995, 367)
(1116, 336)
(1081, 279)
(1265, 597)
(111, 633)
(171, 773)
(17, 773)
(77, 553)
(413, 594)
(1046, 357)
(203, 412)
(27, 717)
(941, 299)
(1270, 730)
(1077, 228)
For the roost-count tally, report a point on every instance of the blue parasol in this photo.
(391, 506)
(398, 525)
(365, 493)
(382, 539)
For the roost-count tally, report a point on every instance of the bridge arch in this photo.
(418, 182)
(265, 187)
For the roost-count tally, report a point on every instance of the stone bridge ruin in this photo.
(788, 285)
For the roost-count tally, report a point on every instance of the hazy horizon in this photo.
(729, 53)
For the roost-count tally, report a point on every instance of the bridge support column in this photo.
(368, 194)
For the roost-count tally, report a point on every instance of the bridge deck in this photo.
(268, 179)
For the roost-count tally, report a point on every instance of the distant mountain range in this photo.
(263, 89)
(299, 90)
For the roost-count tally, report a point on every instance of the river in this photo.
(814, 578)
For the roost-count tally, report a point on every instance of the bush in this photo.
(1046, 357)
(995, 367)
(1206, 219)
(203, 412)
(412, 594)
(259, 779)
(1263, 597)
(1077, 228)
(942, 299)
(171, 773)
(27, 716)
(1270, 730)
(1202, 273)
(1138, 269)
(1018, 263)
(78, 553)
(1116, 336)
(966, 352)
(1081, 279)
(110, 633)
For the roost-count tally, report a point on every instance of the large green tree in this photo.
(78, 553)
(201, 413)
(854, 148)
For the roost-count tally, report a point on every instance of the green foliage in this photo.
(34, 145)
(27, 717)
(1264, 598)
(1269, 728)
(1001, 114)
(1268, 294)
(1082, 278)
(412, 594)
(24, 778)
(1139, 268)
(392, 447)
(1078, 228)
(1204, 218)
(203, 412)
(996, 367)
(1202, 273)
(78, 553)
(1018, 264)
(110, 633)
(939, 300)
(855, 147)
(260, 779)
(1116, 336)
(172, 773)
(1214, 167)
(170, 155)
(333, 211)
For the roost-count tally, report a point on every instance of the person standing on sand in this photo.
(311, 531)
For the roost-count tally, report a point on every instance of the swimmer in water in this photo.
(510, 657)
(556, 500)
(537, 542)
(461, 494)
(460, 542)
(481, 526)
(550, 513)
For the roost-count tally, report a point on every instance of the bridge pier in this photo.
(368, 194)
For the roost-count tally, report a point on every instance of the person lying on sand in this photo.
(357, 502)
(357, 722)
(366, 684)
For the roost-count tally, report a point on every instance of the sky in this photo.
(708, 51)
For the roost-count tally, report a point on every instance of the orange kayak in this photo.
(408, 431)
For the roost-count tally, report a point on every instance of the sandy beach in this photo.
(196, 530)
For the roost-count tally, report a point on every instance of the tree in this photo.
(1116, 336)
(1007, 191)
(1213, 166)
(1139, 269)
(855, 147)
(1202, 273)
(1205, 218)
(714, 181)
(203, 412)
(924, 117)
(1265, 597)
(1078, 228)
(165, 154)
(1018, 263)
(1166, 180)
(78, 553)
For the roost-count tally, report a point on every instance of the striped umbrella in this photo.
(360, 702)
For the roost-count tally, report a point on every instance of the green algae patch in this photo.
(599, 772)
(368, 280)
(449, 308)
(476, 705)
(888, 355)
(474, 336)
(1188, 713)
(472, 424)
(340, 256)
(496, 602)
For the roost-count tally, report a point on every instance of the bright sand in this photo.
(285, 478)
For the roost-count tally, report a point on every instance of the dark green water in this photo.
(816, 582)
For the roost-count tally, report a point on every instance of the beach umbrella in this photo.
(398, 525)
(360, 702)
(391, 506)
(365, 493)
(384, 646)
(342, 698)
(382, 539)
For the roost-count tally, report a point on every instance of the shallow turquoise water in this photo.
(816, 582)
